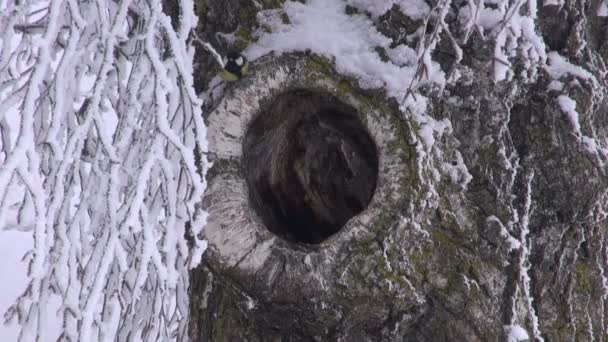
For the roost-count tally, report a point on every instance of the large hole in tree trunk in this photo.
(310, 165)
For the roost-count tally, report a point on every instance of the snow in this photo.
(558, 67)
(555, 85)
(456, 170)
(515, 35)
(323, 27)
(402, 55)
(524, 263)
(415, 9)
(558, 3)
(505, 233)
(591, 145)
(428, 128)
(568, 106)
(602, 10)
(488, 18)
(516, 333)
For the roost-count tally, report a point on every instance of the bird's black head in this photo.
(235, 62)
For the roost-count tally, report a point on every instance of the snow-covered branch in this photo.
(98, 127)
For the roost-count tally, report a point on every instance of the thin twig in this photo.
(209, 48)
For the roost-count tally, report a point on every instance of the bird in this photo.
(235, 67)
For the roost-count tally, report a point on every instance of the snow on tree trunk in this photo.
(488, 219)
(99, 120)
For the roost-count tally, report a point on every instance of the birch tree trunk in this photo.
(496, 230)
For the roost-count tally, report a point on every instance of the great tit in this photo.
(236, 66)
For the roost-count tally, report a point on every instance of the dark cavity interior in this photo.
(310, 165)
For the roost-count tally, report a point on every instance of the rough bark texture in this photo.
(428, 259)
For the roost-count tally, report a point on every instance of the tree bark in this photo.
(504, 226)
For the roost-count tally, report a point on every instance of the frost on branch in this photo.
(98, 125)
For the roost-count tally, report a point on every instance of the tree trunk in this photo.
(496, 227)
